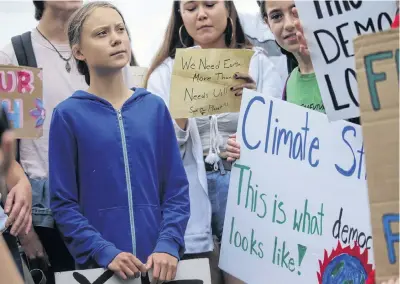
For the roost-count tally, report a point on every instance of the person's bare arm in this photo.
(182, 123)
(19, 200)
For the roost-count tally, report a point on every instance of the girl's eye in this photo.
(276, 16)
(210, 5)
(101, 33)
(191, 8)
(121, 29)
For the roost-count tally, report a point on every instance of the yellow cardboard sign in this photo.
(21, 94)
(202, 78)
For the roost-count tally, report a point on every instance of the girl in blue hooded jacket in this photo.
(119, 192)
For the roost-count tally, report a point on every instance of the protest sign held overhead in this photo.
(329, 28)
(202, 78)
(298, 207)
(21, 94)
(377, 74)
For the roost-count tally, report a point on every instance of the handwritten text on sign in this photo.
(202, 78)
(329, 28)
(297, 197)
(21, 96)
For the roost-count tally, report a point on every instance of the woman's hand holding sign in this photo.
(232, 149)
(248, 84)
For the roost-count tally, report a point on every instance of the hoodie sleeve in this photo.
(159, 83)
(263, 71)
(83, 241)
(175, 201)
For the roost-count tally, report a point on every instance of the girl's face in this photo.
(280, 18)
(64, 6)
(105, 43)
(205, 21)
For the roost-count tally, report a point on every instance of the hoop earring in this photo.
(180, 36)
(230, 19)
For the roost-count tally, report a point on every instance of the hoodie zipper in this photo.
(128, 181)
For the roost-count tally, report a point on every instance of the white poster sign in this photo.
(329, 28)
(196, 271)
(297, 208)
(98, 276)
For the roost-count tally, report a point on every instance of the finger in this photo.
(16, 208)
(128, 270)
(170, 271)
(25, 223)
(121, 274)
(156, 271)
(230, 159)
(243, 76)
(29, 225)
(142, 268)
(300, 38)
(233, 136)
(163, 271)
(174, 272)
(131, 265)
(9, 201)
(250, 86)
(233, 152)
(295, 12)
(149, 263)
(17, 226)
(233, 143)
(234, 156)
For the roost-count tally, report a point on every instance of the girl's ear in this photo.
(77, 53)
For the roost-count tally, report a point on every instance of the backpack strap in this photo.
(23, 49)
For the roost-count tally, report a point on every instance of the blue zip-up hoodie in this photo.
(116, 178)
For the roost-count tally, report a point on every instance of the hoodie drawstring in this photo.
(215, 143)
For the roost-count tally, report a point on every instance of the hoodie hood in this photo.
(84, 95)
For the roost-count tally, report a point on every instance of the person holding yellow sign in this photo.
(208, 25)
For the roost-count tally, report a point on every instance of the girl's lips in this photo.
(291, 37)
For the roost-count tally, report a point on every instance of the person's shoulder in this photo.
(7, 55)
(153, 101)
(260, 53)
(69, 105)
(152, 98)
(260, 60)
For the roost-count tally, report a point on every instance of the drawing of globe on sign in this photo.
(345, 266)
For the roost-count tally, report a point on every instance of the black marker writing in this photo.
(103, 278)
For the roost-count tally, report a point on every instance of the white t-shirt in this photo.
(58, 85)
